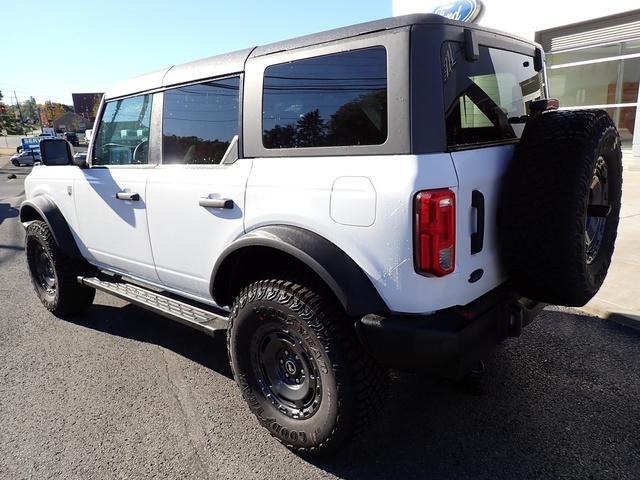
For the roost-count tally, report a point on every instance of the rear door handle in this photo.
(131, 196)
(216, 203)
(477, 238)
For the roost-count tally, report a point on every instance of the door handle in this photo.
(131, 196)
(216, 203)
(477, 238)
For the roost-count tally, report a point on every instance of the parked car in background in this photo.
(26, 157)
(72, 138)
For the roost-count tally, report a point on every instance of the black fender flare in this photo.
(341, 274)
(43, 207)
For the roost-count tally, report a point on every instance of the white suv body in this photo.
(360, 199)
(334, 203)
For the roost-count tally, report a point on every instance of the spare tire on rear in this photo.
(560, 206)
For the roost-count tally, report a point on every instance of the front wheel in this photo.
(16, 163)
(54, 275)
(300, 367)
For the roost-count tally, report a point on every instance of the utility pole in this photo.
(19, 111)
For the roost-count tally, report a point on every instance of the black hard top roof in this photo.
(234, 62)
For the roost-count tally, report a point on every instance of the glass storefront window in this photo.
(625, 118)
(596, 83)
(582, 55)
(591, 84)
(630, 79)
(631, 47)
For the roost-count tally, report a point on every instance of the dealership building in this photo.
(592, 51)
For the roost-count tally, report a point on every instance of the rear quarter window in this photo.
(326, 101)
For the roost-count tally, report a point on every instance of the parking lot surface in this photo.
(123, 393)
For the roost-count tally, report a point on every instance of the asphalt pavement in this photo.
(122, 393)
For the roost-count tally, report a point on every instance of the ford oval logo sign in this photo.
(462, 10)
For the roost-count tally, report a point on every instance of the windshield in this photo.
(487, 101)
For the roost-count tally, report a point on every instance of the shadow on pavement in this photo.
(138, 324)
(547, 407)
(7, 211)
(559, 402)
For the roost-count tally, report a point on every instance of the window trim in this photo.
(396, 45)
(160, 146)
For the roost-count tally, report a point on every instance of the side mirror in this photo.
(80, 160)
(56, 151)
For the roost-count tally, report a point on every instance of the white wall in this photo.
(526, 18)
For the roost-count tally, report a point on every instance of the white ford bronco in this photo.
(397, 194)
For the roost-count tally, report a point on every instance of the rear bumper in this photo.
(449, 342)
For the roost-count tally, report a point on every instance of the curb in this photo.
(626, 319)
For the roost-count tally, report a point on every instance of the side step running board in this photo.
(190, 315)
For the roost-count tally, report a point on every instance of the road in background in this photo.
(123, 393)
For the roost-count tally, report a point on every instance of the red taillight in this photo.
(435, 232)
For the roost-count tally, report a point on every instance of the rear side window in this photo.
(328, 101)
(200, 122)
(123, 133)
(486, 101)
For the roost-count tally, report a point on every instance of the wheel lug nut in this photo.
(281, 362)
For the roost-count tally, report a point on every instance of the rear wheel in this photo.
(54, 275)
(300, 367)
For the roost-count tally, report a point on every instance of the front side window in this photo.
(123, 133)
(487, 100)
(200, 122)
(328, 101)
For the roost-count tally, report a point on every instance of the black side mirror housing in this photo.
(80, 161)
(56, 151)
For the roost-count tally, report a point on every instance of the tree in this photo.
(30, 110)
(280, 137)
(362, 121)
(310, 130)
(8, 119)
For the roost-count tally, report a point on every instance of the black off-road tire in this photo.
(547, 195)
(349, 385)
(62, 295)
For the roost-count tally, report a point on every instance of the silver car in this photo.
(26, 157)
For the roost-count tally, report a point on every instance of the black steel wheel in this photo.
(54, 275)
(597, 210)
(287, 371)
(300, 367)
(42, 270)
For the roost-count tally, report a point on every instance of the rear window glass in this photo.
(327, 101)
(487, 101)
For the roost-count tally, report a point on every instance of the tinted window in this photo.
(200, 121)
(123, 134)
(487, 100)
(334, 100)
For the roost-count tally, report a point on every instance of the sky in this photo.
(53, 49)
